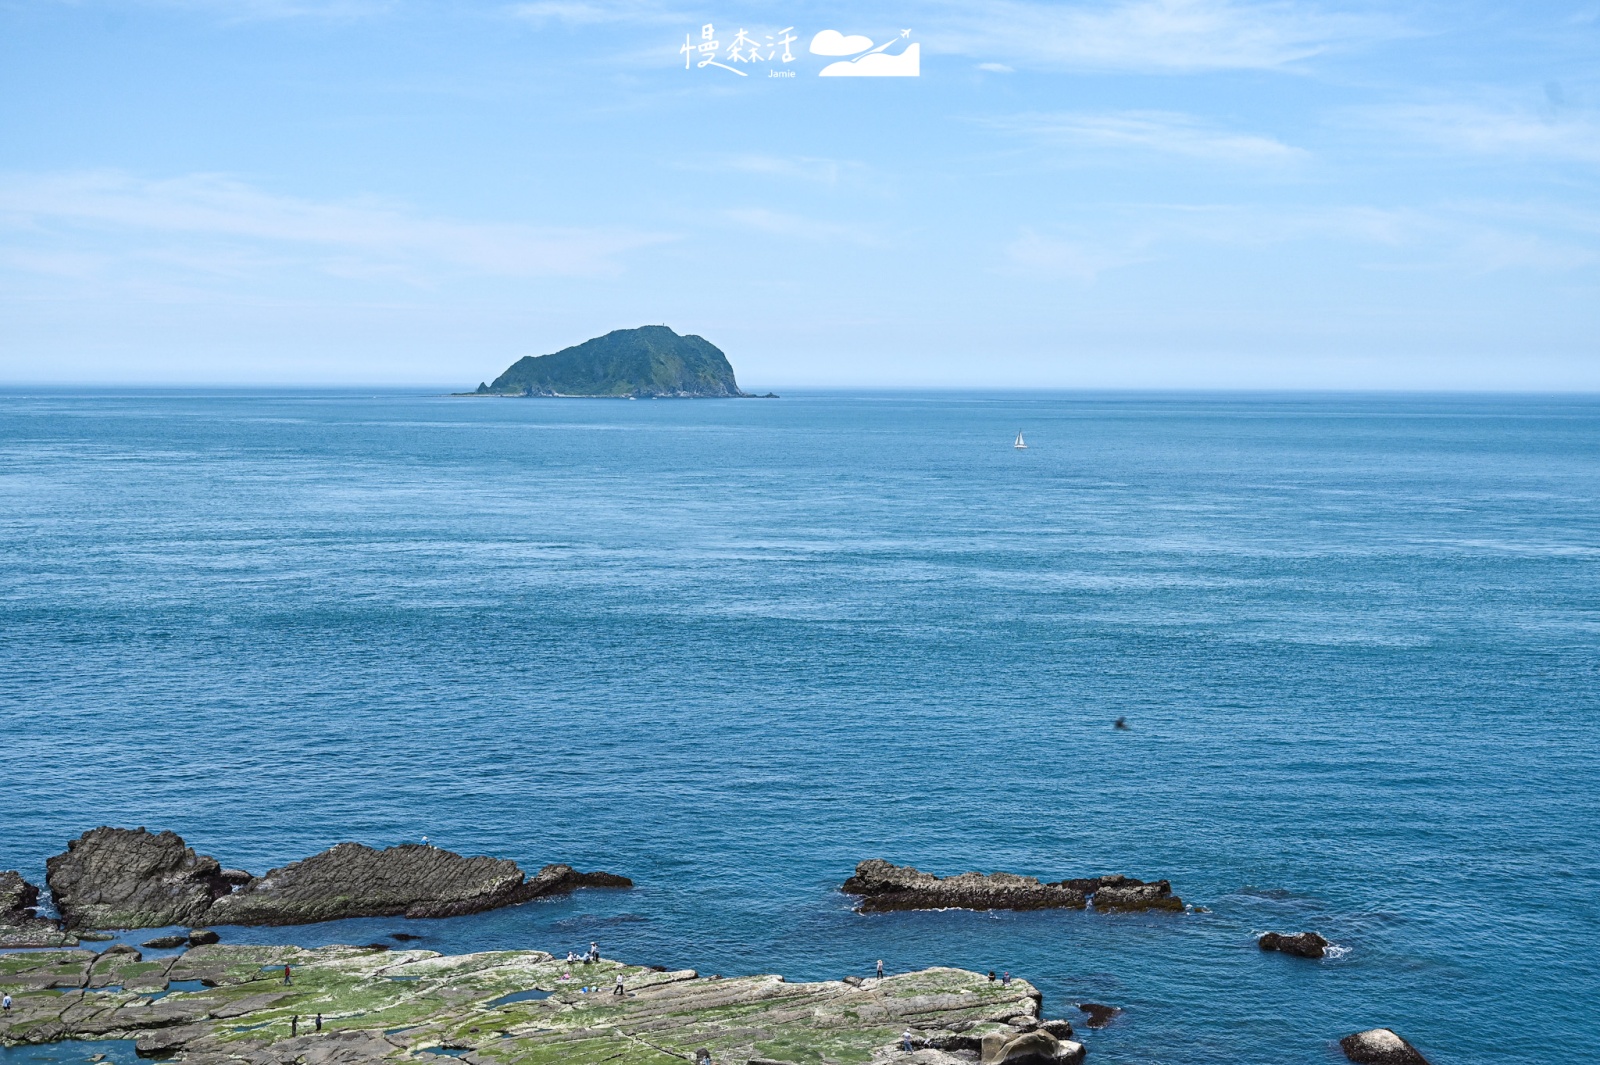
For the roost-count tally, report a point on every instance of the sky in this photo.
(1098, 194)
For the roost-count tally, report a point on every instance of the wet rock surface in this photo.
(20, 925)
(885, 887)
(131, 878)
(394, 1005)
(413, 880)
(1380, 1046)
(1300, 944)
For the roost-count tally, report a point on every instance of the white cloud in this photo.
(1158, 131)
(1492, 129)
(997, 68)
(1159, 36)
(209, 219)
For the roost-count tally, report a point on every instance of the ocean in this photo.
(731, 648)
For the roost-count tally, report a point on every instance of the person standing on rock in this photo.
(294, 1026)
(905, 1040)
(286, 974)
(594, 951)
(1005, 981)
(319, 1022)
(880, 968)
(618, 989)
(5, 1003)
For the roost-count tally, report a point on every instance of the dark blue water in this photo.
(732, 648)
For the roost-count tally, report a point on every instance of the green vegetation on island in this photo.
(650, 362)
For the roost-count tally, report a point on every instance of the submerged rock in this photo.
(1099, 1014)
(1380, 1046)
(131, 878)
(414, 880)
(1300, 944)
(20, 926)
(884, 887)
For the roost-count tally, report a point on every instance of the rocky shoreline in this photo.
(256, 1005)
(217, 1003)
(883, 887)
(132, 878)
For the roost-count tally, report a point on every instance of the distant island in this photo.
(651, 362)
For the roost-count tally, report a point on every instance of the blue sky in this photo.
(1134, 193)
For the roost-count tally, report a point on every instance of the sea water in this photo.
(731, 648)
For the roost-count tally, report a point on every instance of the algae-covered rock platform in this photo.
(229, 1003)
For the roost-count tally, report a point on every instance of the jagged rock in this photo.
(601, 880)
(17, 896)
(1300, 944)
(1061, 1029)
(1130, 894)
(236, 877)
(416, 880)
(1029, 1048)
(19, 925)
(131, 878)
(884, 887)
(199, 937)
(1380, 1046)
(1098, 1013)
(165, 942)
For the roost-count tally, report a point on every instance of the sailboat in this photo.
(1020, 443)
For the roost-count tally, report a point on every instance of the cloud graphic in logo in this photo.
(832, 42)
(908, 64)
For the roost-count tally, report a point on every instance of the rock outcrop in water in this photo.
(131, 878)
(649, 362)
(884, 887)
(1380, 1046)
(414, 880)
(20, 926)
(1300, 944)
(227, 1004)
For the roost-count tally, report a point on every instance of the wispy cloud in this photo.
(265, 10)
(1158, 131)
(1158, 36)
(1083, 259)
(811, 169)
(784, 224)
(1491, 129)
(593, 12)
(115, 214)
(1460, 239)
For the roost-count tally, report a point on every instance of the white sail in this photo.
(1019, 442)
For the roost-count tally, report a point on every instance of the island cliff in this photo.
(650, 362)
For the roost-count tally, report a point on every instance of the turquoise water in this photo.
(732, 648)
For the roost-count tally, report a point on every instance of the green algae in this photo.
(408, 1003)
